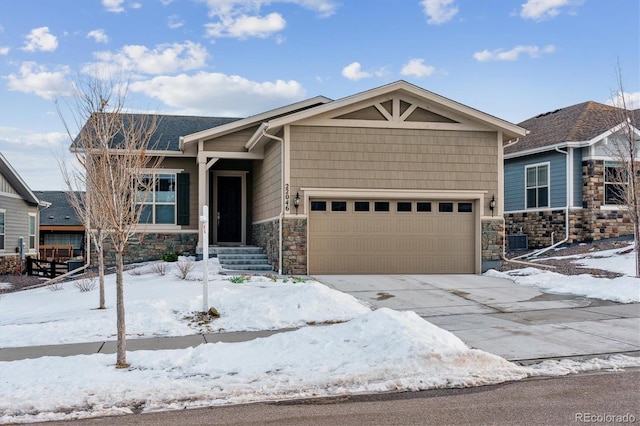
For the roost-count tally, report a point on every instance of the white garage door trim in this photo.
(333, 193)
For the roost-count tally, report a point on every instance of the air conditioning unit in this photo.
(518, 242)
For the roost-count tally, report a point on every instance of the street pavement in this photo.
(493, 314)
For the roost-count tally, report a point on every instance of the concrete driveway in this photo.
(498, 316)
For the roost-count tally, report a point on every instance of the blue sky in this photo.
(510, 58)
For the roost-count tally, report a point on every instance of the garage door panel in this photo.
(391, 242)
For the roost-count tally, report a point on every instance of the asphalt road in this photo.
(594, 398)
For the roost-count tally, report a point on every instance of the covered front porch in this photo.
(225, 186)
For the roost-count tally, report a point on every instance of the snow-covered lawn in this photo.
(625, 289)
(357, 350)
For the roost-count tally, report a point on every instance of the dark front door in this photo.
(229, 209)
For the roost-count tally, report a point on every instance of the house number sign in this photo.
(286, 198)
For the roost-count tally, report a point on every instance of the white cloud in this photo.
(245, 26)
(163, 59)
(98, 35)
(37, 79)
(539, 10)
(416, 67)
(242, 18)
(114, 6)
(219, 8)
(219, 94)
(117, 6)
(40, 39)
(354, 72)
(439, 11)
(4, 50)
(175, 22)
(630, 100)
(513, 54)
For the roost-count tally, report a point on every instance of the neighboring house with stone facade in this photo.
(559, 178)
(392, 180)
(19, 211)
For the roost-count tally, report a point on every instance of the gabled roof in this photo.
(577, 123)
(253, 120)
(16, 181)
(60, 211)
(170, 128)
(509, 130)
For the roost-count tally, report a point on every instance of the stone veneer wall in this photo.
(591, 223)
(294, 243)
(538, 226)
(294, 246)
(597, 223)
(265, 235)
(9, 264)
(151, 247)
(492, 239)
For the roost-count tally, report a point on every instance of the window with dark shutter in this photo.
(183, 198)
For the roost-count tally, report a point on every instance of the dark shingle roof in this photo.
(171, 127)
(576, 123)
(60, 211)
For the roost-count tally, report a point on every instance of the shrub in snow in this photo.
(57, 286)
(171, 256)
(87, 284)
(238, 279)
(159, 268)
(184, 266)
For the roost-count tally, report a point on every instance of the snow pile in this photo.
(157, 305)
(622, 289)
(377, 351)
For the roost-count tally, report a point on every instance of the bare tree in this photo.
(88, 101)
(112, 150)
(623, 146)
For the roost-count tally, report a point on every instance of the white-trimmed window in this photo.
(32, 231)
(616, 181)
(537, 185)
(159, 202)
(2, 229)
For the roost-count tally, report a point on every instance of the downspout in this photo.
(281, 215)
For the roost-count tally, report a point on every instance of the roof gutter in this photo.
(257, 135)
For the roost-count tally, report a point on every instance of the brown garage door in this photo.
(394, 236)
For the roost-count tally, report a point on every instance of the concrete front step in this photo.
(236, 250)
(253, 267)
(244, 258)
(242, 261)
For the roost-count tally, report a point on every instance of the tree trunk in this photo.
(121, 360)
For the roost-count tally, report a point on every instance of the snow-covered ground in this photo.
(356, 350)
(623, 289)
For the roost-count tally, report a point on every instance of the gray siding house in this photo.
(558, 185)
(19, 216)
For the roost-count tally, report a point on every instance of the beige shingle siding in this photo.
(374, 158)
(267, 184)
(233, 142)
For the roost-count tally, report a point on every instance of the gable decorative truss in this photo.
(396, 105)
(395, 111)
